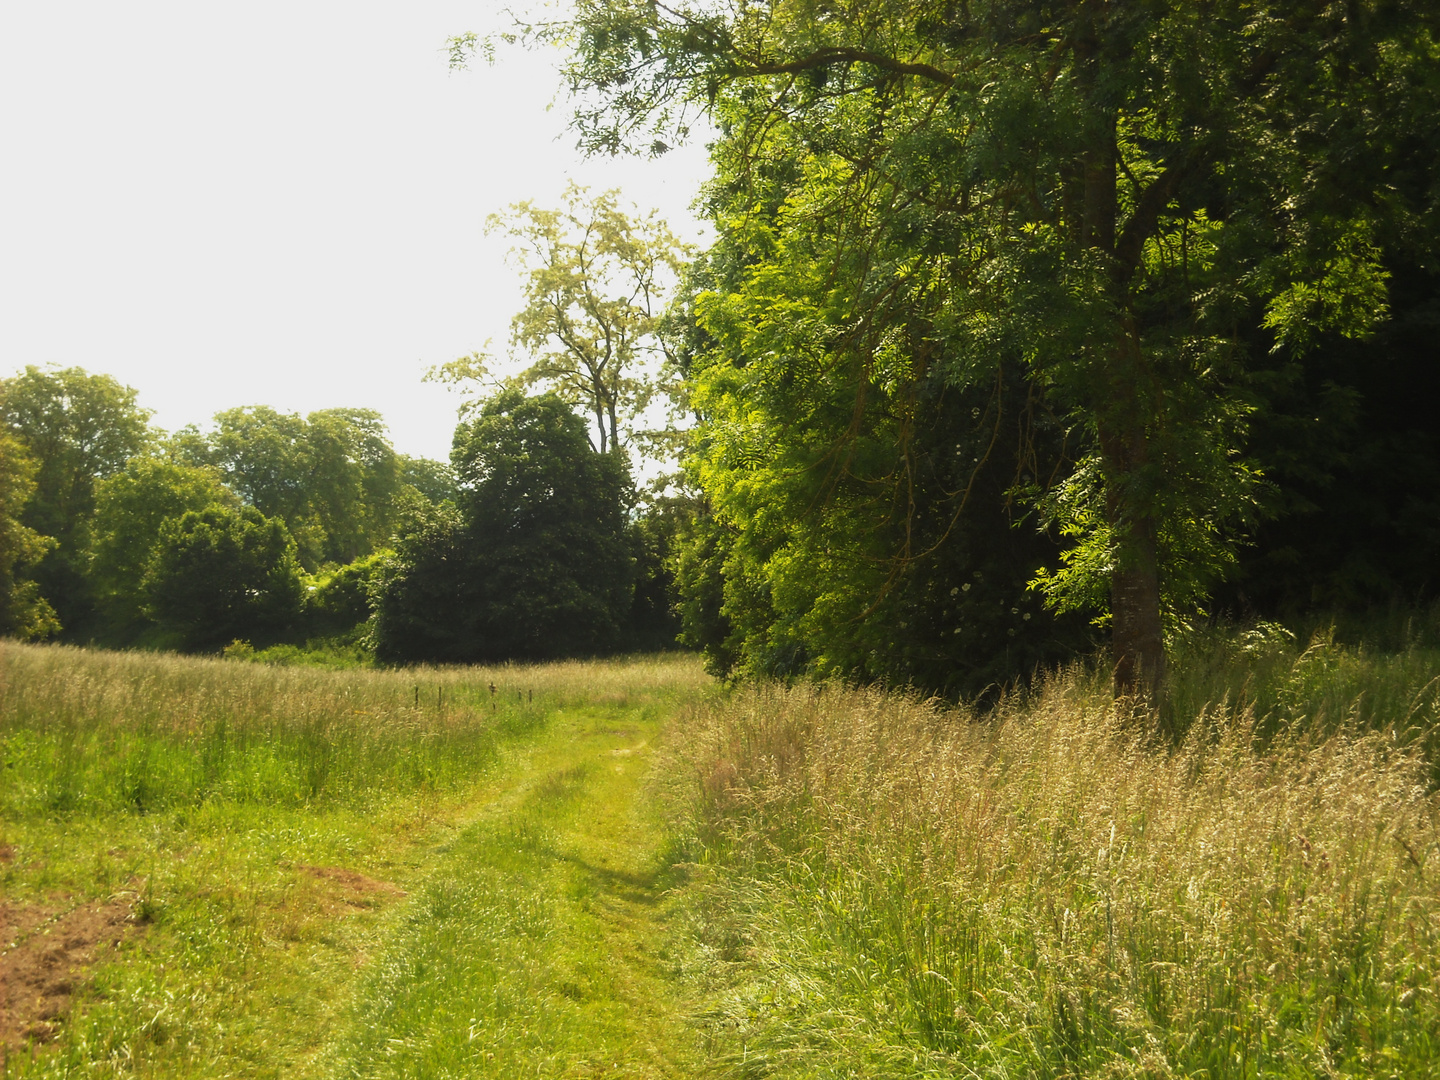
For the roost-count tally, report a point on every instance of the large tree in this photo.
(1125, 201)
(535, 563)
(131, 510)
(595, 280)
(223, 573)
(355, 476)
(24, 613)
(78, 429)
(332, 476)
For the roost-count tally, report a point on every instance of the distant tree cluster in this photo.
(271, 528)
(118, 533)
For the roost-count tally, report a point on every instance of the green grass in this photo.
(229, 804)
(536, 948)
(1316, 684)
(616, 869)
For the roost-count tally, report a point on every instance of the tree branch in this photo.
(1141, 225)
(827, 57)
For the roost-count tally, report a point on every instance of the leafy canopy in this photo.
(223, 573)
(1124, 202)
(332, 476)
(594, 280)
(533, 560)
(132, 509)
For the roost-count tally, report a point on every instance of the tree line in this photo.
(276, 528)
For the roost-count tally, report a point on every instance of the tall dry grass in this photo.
(1050, 892)
(91, 731)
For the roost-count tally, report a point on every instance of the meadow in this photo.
(621, 868)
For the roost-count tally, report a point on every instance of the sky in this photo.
(277, 203)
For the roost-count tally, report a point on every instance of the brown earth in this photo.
(46, 953)
(355, 887)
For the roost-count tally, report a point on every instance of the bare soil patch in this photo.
(355, 888)
(46, 953)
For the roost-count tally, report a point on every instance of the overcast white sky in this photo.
(276, 203)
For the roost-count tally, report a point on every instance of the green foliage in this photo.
(1350, 443)
(534, 562)
(1128, 207)
(340, 599)
(355, 477)
(547, 518)
(594, 281)
(24, 613)
(263, 455)
(861, 515)
(424, 592)
(653, 623)
(132, 508)
(433, 479)
(78, 428)
(1195, 551)
(702, 547)
(222, 573)
(332, 477)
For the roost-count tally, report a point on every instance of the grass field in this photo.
(213, 868)
(204, 862)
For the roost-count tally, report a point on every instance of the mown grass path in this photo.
(536, 944)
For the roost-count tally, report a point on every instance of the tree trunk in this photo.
(1137, 633)
(599, 410)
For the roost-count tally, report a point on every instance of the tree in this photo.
(223, 573)
(427, 593)
(594, 281)
(548, 515)
(265, 457)
(654, 623)
(1351, 442)
(78, 428)
(1126, 202)
(355, 477)
(340, 601)
(24, 613)
(132, 509)
(533, 563)
(432, 479)
(332, 477)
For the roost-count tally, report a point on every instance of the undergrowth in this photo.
(1316, 684)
